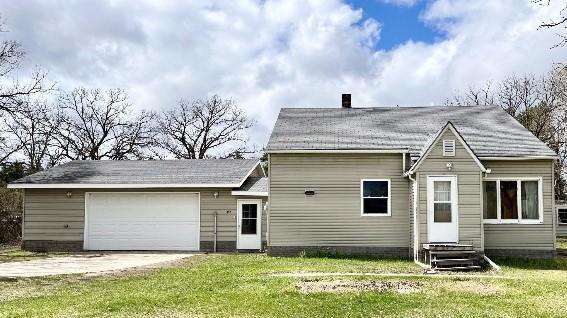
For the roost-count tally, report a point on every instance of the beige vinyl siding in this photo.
(561, 230)
(523, 236)
(332, 217)
(468, 184)
(47, 211)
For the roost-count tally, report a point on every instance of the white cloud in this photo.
(271, 54)
(404, 3)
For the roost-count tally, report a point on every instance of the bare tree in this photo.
(99, 125)
(34, 127)
(193, 130)
(561, 21)
(8, 145)
(539, 104)
(12, 91)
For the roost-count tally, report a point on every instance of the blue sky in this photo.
(399, 23)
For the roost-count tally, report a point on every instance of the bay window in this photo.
(512, 200)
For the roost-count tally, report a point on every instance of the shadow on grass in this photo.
(559, 263)
(343, 256)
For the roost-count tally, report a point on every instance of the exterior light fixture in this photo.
(449, 166)
(216, 195)
(69, 194)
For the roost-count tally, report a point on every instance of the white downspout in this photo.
(414, 208)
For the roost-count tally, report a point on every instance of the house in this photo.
(389, 182)
(392, 181)
(193, 205)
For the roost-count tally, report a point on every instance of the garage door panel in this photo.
(143, 221)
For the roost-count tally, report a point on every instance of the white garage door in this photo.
(142, 221)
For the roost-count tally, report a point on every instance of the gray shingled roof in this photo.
(254, 184)
(488, 130)
(159, 172)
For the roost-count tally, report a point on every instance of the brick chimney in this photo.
(346, 101)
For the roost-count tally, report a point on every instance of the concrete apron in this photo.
(84, 263)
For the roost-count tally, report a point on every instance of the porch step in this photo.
(451, 252)
(459, 268)
(452, 260)
(448, 247)
(454, 257)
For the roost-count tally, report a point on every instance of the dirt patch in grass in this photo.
(474, 287)
(315, 286)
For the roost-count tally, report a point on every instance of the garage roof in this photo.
(143, 173)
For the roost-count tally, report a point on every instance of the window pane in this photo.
(490, 200)
(375, 206)
(509, 199)
(442, 212)
(249, 210)
(530, 202)
(562, 215)
(248, 226)
(441, 190)
(375, 188)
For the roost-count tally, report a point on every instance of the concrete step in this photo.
(452, 260)
(457, 268)
(451, 252)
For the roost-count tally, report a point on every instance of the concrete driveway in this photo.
(91, 263)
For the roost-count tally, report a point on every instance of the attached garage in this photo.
(176, 205)
(142, 221)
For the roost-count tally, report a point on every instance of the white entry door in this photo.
(249, 229)
(442, 209)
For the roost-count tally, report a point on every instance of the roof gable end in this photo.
(430, 145)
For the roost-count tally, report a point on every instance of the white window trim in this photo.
(452, 144)
(557, 207)
(362, 198)
(519, 180)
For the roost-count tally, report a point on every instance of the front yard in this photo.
(262, 286)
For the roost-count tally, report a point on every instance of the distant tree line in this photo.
(41, 126)
(538, 103)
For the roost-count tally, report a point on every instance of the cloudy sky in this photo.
(273, 54)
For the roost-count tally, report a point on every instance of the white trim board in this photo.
(250, 193)
(116, 185)
(518, 158)
(339, 151)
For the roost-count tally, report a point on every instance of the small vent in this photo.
(448, 148)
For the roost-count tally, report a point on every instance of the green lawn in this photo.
(562, 243)
(237, 286)
(14, 254)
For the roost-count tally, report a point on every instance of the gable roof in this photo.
(142, 173)
(254, 186)
(433, 141)
(488, 130)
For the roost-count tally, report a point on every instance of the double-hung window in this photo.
(375, 197)
(562, 214)
(512, 200)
